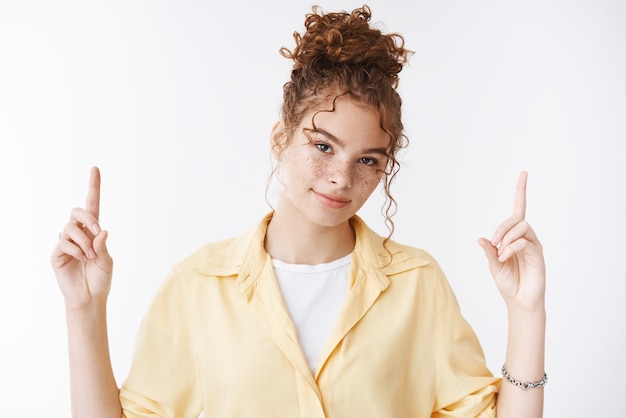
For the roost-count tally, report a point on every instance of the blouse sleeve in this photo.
(162, 379)
(465, 386)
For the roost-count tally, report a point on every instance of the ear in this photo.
(278, 139)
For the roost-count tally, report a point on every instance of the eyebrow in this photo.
(333, 138)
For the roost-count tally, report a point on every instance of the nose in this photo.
(341, 174)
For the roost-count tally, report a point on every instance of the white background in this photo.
(174, 100)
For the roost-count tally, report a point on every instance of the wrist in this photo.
(86, 309)
(534, 309)
(526, 343)
(526, 324)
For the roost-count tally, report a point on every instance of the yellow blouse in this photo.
(218, 339)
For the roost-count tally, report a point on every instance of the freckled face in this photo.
(326, 179)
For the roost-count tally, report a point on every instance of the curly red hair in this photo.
(340, 54)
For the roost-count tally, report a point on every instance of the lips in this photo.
(332, 201)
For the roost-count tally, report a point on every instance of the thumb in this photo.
(99, 244)
(491, 253)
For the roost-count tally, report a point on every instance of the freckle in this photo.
(319, 168)
(363, 181)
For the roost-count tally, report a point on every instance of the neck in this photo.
(299, 241)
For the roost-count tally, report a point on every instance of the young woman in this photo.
(311, 313)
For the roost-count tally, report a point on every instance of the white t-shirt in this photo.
(314, 295)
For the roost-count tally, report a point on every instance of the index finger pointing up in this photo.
(92, 204)
(519, 204)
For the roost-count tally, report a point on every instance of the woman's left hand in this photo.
(515, 257)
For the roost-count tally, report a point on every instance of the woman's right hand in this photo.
(80, 260)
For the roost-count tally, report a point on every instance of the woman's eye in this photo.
(323, 147)
(369, 161)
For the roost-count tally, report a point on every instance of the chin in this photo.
(328, 219)
(313, 212)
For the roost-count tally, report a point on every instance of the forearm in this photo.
(525, 363)
(94, 392)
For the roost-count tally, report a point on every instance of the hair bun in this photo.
(338, 39)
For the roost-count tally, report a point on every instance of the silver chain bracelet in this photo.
(524, 385)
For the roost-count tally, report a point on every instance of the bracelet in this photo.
(523, 385)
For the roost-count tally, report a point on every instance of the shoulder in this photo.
(206, 252)
(184, 273)
(405, 250)
(411, 261)
(226, 257)
(390, 256)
